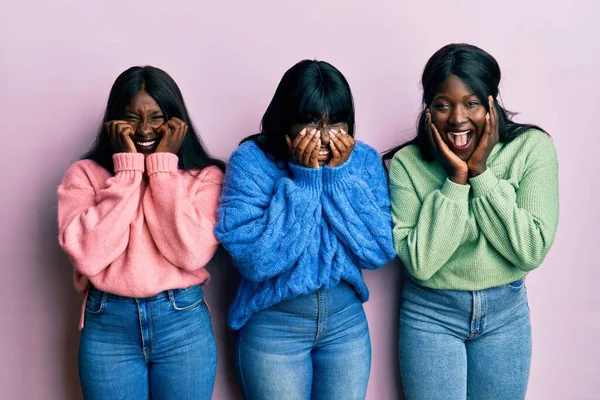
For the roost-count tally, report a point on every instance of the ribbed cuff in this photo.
(128, 162)
(161, 162)
(454, 191)
(483, 183)
(335, 175)
(311, 178)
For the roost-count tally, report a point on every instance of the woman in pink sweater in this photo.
(136, 218)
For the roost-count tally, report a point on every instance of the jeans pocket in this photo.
(95, 303)
(186, 299)
(516, 285)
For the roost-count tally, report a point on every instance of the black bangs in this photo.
(323, 101)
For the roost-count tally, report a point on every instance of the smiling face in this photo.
(459, 116)
(145, 116)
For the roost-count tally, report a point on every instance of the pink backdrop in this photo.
(59, 58)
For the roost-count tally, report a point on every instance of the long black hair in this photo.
(162, 88)
(480, 72)
(310, 91)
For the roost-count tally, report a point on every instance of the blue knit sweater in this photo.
(291, 230)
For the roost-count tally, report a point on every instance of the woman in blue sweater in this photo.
(304, 209)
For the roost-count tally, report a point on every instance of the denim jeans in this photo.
(160, 347)
(457, 345)
(313, 346)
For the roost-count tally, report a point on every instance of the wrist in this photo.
(459, 179)
(477, 170)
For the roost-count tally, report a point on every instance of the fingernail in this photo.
(303, 132)
(318, 134)
(312, 133)
(343, 132)
(332, 133)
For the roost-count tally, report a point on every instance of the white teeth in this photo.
(146, 144)
(458, 133)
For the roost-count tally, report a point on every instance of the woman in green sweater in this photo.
(475, 208)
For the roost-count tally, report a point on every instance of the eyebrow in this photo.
(447, 98)
(128, 111)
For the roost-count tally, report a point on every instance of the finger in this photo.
(347, 140)
(162, 130)
(314, 156)
(487, 133)
(124, 129)
(299, 137)
(341, 146)
(122, 146)
(177, 129)
(304, 142)
(439, 143)
(335, 153)
(429, 131)
(310, 148)
(113, 127)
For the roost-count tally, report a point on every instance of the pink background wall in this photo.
(59, 58)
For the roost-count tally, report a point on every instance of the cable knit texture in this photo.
(134, 237)
(490, 232)
(292, 230)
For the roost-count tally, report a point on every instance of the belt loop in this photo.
(170, 295)
(104, 297)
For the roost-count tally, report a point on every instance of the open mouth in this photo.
(145, 146)
(460, 140)
(324, 154)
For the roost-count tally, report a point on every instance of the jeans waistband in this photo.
(164, 295)
(338, 297)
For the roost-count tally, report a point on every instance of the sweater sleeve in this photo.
(182, 222)
(357, 206)
(520, 219)
(93, 226)
(266, 221)
(427, 232)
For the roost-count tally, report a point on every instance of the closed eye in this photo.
(441, 106)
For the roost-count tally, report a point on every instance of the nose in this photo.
(325, 138)
(144, 128)
(458, 116)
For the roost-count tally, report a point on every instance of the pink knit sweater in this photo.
(137, 237)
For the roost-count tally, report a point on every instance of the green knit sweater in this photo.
(490, 232)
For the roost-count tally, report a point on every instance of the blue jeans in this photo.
(159, 347)
(313, 346)
(457, 345)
